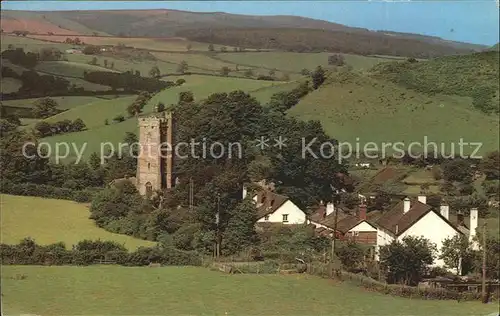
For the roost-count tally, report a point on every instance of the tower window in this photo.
(149, 165)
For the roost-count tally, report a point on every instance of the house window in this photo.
(149, 166)
(266, 218)
(285, 218)
(355, 233)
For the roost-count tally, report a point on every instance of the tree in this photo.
(154, 72)
(490, 165)
(351, 255)
(105, 63)
(188, 47)
(186, 97)
(285, 77)
(336, 60)
(406, 261)
(43, 129)
(183, 67)
(455, 251)
(45, 107)
(93, 61)
(223, 49)
(318, 77)
(240, 232)
(225, 71)
(78, 125)
(211, 48)
(248, 73)
(160, 107)
(94, 161)
(457, 170)
(90, 49)
(112, 66)
(305, 72)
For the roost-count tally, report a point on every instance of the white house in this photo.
(276, 208)
(417, 218)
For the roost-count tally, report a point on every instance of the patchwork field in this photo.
(198, 291)
(64, 103)
(29, 44)
(295, 62)
(9, 85)
(49, 221)
(68, 69)
(361, 110)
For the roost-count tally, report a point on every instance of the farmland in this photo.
(133, 291)
(52, 221)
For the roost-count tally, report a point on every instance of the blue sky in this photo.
(468, 21)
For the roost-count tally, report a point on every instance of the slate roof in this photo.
(268, 202)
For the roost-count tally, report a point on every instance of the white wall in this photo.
(363, 227)
(432, 227)
(295, 215)
(383, 238)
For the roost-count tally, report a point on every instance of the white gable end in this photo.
(434, 228)
(294, 215)
(363, 227)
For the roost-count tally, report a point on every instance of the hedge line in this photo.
(395, 289)
(47, 191)
(93, 252)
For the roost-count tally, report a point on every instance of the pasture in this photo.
(295, 62)
(64, 103)
(68, 69)
(9, 85)
(49, 221)
(29, 44)
(361, 110)
(113, 290)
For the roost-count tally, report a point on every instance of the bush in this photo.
(88, 252)
(119, 118)
(48, 191)
(180, 82)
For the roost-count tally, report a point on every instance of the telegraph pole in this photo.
(483, 285)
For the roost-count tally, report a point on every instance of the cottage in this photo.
(73, 51)
(276, 208)
(355, 228)
(417, 218)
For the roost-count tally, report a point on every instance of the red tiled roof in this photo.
(344, 221)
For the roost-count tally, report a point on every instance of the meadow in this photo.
(360, 109)
(50, 221)
(295, 62)
(112, 290)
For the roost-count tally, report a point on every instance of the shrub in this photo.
(119, 118)
(180, 82)
(48, 191)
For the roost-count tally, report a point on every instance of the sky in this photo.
(474, 21)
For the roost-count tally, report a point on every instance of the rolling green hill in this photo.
(68, 69)
(475, 75)
(353, 107)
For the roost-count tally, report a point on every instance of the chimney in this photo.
(460, 218)
(362, 212)
(329, 208)
(473, 224)
(406, 205)
(444, 209)
(244, 192)
(422, 199)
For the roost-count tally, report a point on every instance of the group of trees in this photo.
(20, 33)
(74, 41)
(127, 81)
(136, 107)
(283, 101)
(19, 57)
(45, 129)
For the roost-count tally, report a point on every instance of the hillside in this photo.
(70, 218)
(356, 108)
(475, 75)
(233, 30)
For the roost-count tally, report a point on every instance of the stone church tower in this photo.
(155, 163)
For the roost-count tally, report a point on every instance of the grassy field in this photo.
(49, 221)
(64, 103)
(94, 113)
(295, 62)
(360, 109)
(111, 290)
(29, 44)
(68, 69)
